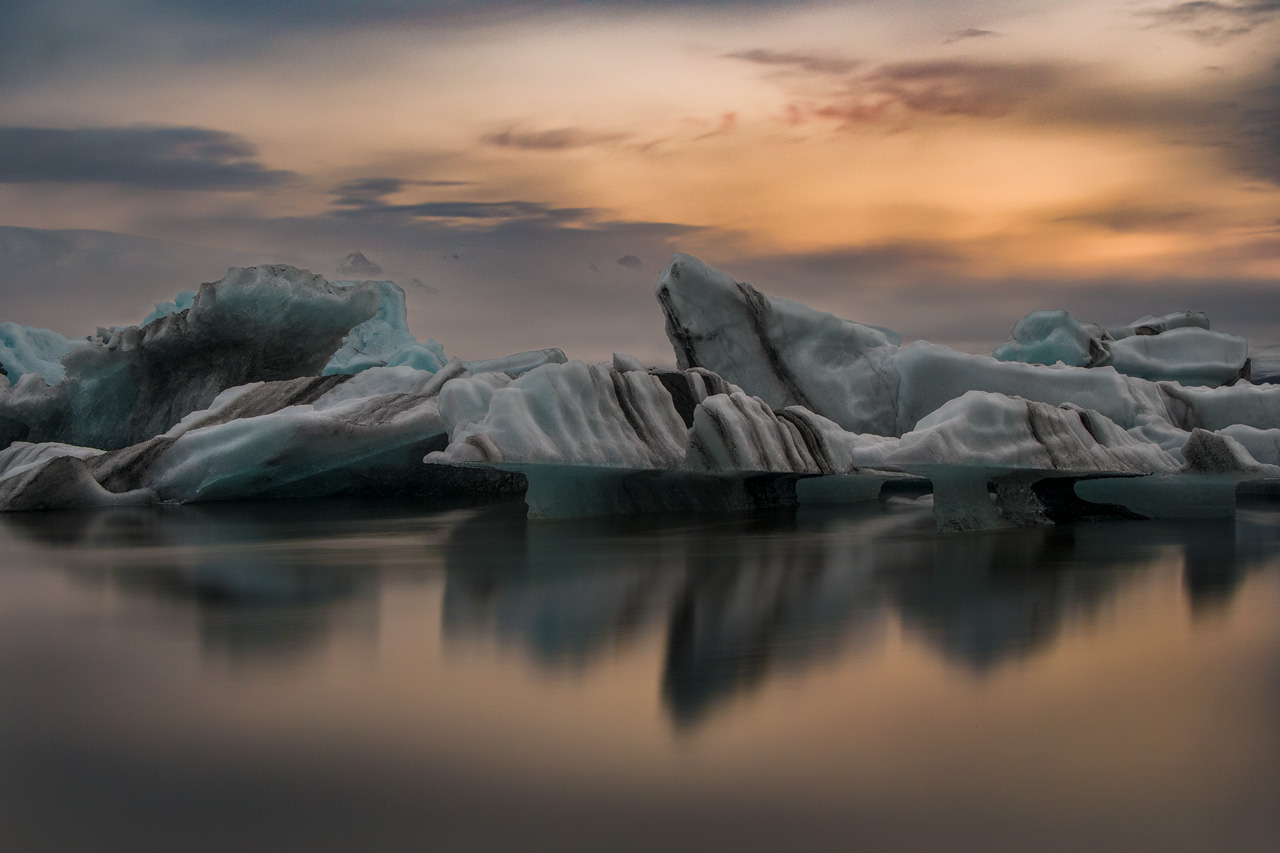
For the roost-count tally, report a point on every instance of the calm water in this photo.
(346, 676)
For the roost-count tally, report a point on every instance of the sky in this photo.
(525, 169)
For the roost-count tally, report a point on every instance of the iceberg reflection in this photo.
(738, 600)
(727, 603)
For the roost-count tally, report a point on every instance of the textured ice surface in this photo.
(782, 351)
(998, 431)
(27, 350)
(256, 324)
(574, 414)
(321, 435)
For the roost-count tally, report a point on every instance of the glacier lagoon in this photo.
(354, 674)
(807, 589)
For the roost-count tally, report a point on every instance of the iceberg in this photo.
(274, 382)
(256, 324)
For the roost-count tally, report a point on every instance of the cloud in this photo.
(473, 210)
(557, 139)
(852, 93)
(939, 88)
(810, 63)
(1210, 21)
(365, 191)
(164, 158)
(1127, 218)
(630, 262)
(969, 33)
(923, 291)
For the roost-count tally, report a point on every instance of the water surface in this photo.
(334, 675)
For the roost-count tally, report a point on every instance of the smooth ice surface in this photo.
(1149, 325)
(27, 350)
(1262, 444)
(1188, 355)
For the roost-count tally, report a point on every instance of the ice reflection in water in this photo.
(818, 680)
(743, 598)
(737, 598)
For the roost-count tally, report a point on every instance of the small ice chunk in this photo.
(1149, 325)
(1049, 337)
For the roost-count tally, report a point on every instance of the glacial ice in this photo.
(27, 350)
(180, 303)
(276, 383)
(256, 324)
(1049, 337)
(384, 340)
(1178, 347)
(784, 352)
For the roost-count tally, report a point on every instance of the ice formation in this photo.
(1179, 347)
(25, 350)
(384, 340)
(274, 382)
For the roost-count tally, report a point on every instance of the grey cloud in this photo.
(165, 158)
(1211, 21)
(630, 262)
(945, 87)
(854, 94)
(365, 191)
(1130, 218)
(919, 291)
(473, 210)
(968, 33)
(556, 139)
(810, 63)
(1240, 117)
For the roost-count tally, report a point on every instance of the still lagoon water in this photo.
(331, 675)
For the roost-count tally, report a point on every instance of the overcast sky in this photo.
(525, 169)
